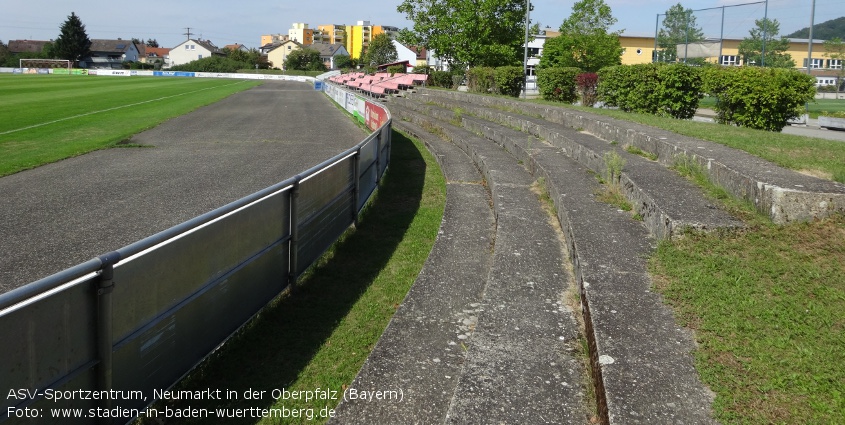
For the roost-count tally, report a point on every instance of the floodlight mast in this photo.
(525, 56)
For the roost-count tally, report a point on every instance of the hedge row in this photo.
(761, 98)
(506, 80)
(654, 88)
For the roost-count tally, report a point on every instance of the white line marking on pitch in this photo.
(111, 109)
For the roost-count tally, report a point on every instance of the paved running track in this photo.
(65, 213)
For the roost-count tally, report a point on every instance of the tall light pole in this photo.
(525, 57)
(810, 43)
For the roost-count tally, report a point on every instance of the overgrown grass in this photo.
(320, 336)
(47, 118)
(766, 306)
(819, 157)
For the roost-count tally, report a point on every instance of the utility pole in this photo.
(188, 33)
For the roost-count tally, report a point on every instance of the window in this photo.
(814, 63)
(834, 63)
(199, 57)
(731, 60)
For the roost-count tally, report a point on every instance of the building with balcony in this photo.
(301, 34)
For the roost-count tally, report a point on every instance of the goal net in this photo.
(46, 64)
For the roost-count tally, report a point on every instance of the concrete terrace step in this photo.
(641, 360)
(784, 195)
(667, 204)
(420, 352)
(482, 337)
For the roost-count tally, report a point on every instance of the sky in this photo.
(228, 22)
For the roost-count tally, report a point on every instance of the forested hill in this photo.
(823, 31)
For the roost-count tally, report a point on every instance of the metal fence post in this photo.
(356, 187)
(105, 320)
(378, 159)
(294, 236)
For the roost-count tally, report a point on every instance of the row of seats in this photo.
(380, 84)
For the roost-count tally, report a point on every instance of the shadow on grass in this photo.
(272, 351)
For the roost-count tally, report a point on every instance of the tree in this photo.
(678, 28)
(4, 52)
(585, 41)
(764, 36)
(305, 60)
(835, 49)
(72, 43)
(380, 51)
(343, 62)
(151, 42)
(469, 33)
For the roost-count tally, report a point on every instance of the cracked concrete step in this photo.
(641, 359)
(667, 203)
(782, 194)
(521, 365)
(420, 352)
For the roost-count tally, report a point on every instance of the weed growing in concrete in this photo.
(637, 151)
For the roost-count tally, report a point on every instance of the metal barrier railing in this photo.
(104, 335)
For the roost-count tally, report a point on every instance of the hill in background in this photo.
(823, 31)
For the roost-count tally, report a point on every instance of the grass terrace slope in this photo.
(47, 118)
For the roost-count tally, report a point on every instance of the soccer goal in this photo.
(46, 63)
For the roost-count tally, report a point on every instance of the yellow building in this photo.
(640, 49)
(359, 36)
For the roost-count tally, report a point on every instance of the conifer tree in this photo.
(72, 43)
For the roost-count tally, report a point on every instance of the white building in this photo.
(191, 50)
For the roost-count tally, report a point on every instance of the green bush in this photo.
(441, 79)
(481, 80)
(680, 90)
(212, 64)
(761, 98)
(396, 69)
(652, 88)
(558, 84)
(509, 80)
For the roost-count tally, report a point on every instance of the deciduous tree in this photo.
(305, 59)
(380, 51)
(469, 33)
(764, 38)
(586, 41)
(72, 43)
(835, 49)
(678, 27)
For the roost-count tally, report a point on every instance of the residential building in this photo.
(22, 47)
(405, 54)
(328, 52)
(358, 36)
(110, 54)
(156, 55)
(236, 46)
(271, 39)
(277, 54)
(191, 50)
(333, 33)
(300, 33)
(422, 55)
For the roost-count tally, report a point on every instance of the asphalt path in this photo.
(61, 214)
